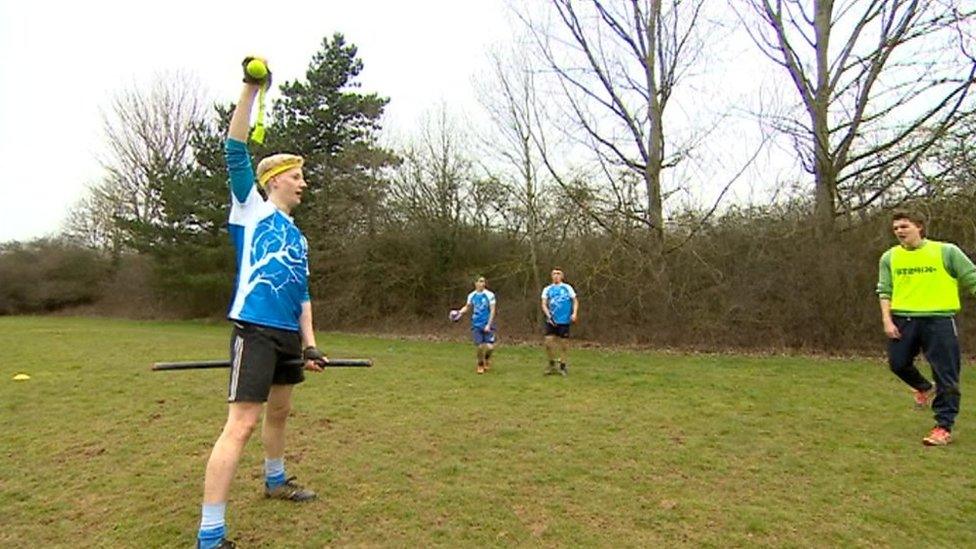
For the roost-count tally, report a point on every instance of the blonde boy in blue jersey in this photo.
(272, 316)
(918, 288)
(482, 304)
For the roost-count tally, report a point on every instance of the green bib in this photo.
(919, 281)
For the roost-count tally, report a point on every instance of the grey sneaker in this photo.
(563, 370)
(290, 491)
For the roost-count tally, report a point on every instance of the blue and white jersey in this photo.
(560, 298)
(481, 303)
(272, 253)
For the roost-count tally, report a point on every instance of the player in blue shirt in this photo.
(482, 304)
(560, 305)
(272, 317)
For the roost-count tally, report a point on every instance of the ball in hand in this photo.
(257, 69)
(454, 315)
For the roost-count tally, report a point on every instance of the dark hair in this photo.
(914, 216)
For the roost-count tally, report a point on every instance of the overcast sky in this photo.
(63, 61)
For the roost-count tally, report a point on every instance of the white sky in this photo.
(62, 62)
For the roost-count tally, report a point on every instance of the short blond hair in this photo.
(275, 164)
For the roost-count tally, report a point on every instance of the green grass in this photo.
(632, 449)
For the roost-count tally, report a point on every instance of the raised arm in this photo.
(236, 154)
(240, 121)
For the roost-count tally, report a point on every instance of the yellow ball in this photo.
(257, 69)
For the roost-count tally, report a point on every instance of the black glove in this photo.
(314, 354)
(250, 79)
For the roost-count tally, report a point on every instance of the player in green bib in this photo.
(918, 286)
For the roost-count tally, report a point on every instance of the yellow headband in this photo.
(284, 167)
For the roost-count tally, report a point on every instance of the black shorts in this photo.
(257, 361)
(561, 330)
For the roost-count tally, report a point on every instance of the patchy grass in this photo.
(632, 449)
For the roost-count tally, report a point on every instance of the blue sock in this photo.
(274, 472)
(211, 525)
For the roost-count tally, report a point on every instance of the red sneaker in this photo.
(923, 399)
(938, 437)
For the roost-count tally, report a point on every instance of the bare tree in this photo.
(431, 183)
(510, 97)
(148, 133)
(879, 81)
(616, 65)
(949, 167)
(148, 136)
(91, 221)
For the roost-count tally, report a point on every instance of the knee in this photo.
(240, 428)
(278, 413)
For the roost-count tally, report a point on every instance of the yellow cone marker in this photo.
(21, 377)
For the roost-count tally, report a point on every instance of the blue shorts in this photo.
(480, 336)
(558, 330)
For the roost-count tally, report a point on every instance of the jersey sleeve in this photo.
(491, 297)
(958, 264)
(884, 276)
(246, 204)
(470, 297)
(239, 168)
(572, 291)
(545, 291)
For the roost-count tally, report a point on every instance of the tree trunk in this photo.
(533, 224)
(825, 177)
(655, 137)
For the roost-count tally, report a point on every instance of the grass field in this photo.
(632, 449)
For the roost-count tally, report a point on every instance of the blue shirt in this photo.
(559, 298)
(272, 253)
(481, 303)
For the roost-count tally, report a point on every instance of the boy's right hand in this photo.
(891, 330)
